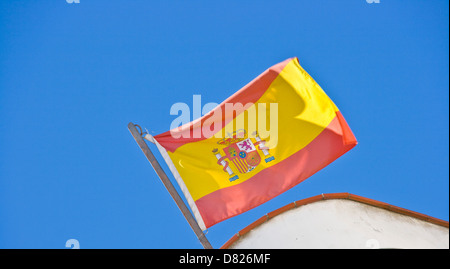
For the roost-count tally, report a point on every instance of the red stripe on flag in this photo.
(330, 144)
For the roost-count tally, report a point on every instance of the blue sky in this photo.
(73, 75)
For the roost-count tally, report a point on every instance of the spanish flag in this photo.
(269, 136)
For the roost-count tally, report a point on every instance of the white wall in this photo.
(344, 224)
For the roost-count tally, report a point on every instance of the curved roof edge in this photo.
(330, 196)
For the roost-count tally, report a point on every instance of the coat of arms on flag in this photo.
(242, 152)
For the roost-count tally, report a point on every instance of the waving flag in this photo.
(282, 129)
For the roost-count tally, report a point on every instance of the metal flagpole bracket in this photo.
(138, 136)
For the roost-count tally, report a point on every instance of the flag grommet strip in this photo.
(170, 188)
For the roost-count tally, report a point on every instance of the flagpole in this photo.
(169, 186)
